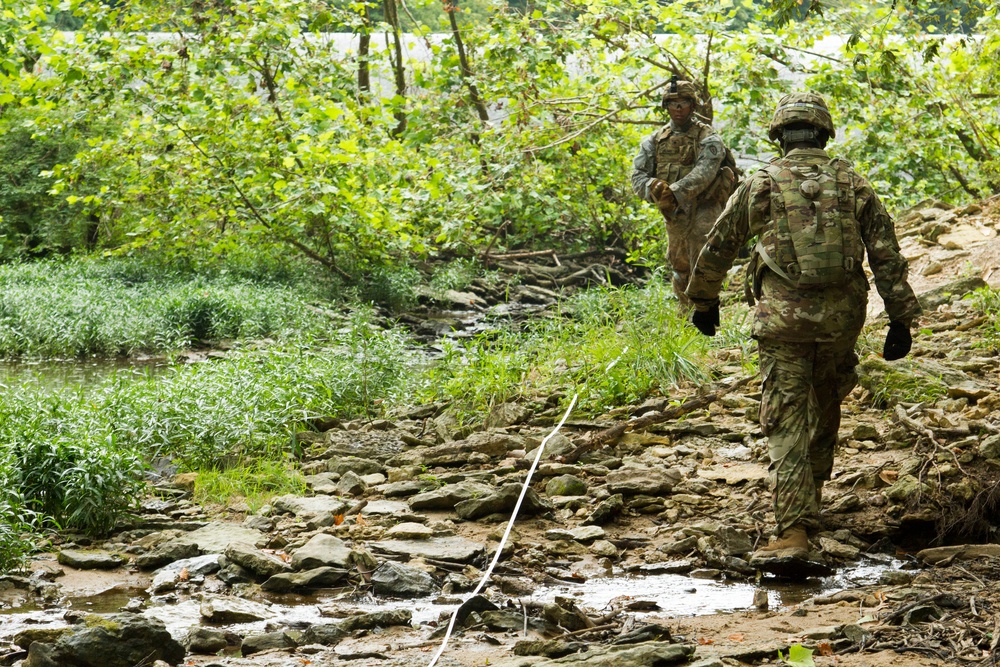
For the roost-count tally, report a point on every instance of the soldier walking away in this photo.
(815, 219)
(686, 170)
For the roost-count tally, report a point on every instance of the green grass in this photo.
(987, 302)
(613, 346)
(72, 309)
(254, 483)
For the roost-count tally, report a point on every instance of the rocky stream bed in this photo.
(630, 548)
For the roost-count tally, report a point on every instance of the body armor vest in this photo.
(814, 240)
(677, 152)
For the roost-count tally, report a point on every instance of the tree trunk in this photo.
(364, 46)
(451, 8)
(392, 17)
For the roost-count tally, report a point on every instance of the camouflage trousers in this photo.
(804, 385)
(686, 236)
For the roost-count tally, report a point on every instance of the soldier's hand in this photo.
(897, 342)
(656, 189)
(706, 320)
(667, 202)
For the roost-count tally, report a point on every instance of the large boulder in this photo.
(120, 640)
(319, 577)
(449, 495)
(322, 550)
(502, 501)
(402, 581)
(251, 558)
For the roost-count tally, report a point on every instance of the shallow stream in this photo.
(673, 594)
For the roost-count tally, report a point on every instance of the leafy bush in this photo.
(80, 480)
(15, 526)
(987, 302)
(36, 223)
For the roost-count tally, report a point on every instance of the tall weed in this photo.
(114, 308)
(77, 457)
(612, 345)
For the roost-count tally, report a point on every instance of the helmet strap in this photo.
(804, 135)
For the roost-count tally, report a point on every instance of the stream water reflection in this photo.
(73, 373)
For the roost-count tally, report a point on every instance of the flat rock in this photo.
(632, 481)
(207, 641)
(734, 473)
(581, 534)
(324, 482)
(453, 453)
(406, 487)
(266, 642)
(792, 568)
(355, 464)
(89, 560)
(451, 549)
(606, 511)
(119, 640)
(931, 299)
(322, 550)
(166, 578)
(374, 445)
(317, 510)
(166, 553)
(216, 536)
(409, 531)
(319, 577)
(385, 508)
(223, 610)
(963, 236)
(648, 654)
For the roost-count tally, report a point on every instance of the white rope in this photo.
(506, 534)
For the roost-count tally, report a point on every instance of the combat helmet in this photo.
(801, 108)
(678, 89)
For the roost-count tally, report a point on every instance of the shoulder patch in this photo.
(712, 149)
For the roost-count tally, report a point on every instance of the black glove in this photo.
(706, 320)
(897, 342)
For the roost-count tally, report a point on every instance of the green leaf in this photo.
(798, 656)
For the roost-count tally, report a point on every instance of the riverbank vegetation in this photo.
(257, 174)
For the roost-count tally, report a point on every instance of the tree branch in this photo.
(599, 119)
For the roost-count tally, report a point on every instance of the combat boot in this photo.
(819, 492)
(792, 543)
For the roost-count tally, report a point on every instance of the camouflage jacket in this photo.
(805, 315)
(703, 168)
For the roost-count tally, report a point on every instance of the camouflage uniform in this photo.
(805, 336)
(688, 159)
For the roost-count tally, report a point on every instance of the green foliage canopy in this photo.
(217, 124)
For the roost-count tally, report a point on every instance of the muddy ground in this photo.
(911, 479)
